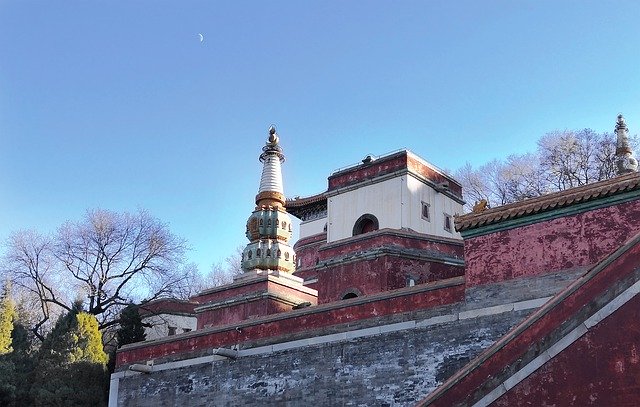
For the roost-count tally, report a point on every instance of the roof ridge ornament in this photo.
(625, 161)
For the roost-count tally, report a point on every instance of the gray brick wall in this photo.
(392, 369)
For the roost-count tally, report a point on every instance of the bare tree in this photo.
(564, 159)
(108, 259)
(223, 272)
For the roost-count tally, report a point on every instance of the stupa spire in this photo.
(625, 161)
(269, 226)
(271, 191)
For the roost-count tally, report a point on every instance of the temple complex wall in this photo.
(555, 243)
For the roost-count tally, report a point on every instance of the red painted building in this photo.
(551, 282)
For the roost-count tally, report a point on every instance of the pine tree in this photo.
(131, 326)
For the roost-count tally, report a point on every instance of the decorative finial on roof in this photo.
(273, 136)
(625, 161)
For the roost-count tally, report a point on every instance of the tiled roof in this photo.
(549, 202)
(299, 202)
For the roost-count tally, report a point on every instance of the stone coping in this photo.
(404, 233)
(285, 279)
(400, 292)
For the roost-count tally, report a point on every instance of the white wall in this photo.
(161, 323)
(382, 200)
(396, 203)
(312, 227)
(439, 204)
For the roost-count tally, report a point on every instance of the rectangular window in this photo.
(425, 211)
(447, 222)
(185, 330)
(172, 330)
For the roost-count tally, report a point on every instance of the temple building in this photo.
(393, 297)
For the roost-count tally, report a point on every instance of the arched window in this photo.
(261, 222)
(286, 255)
(258, 252)
(268, 252)
(351, 293)
(249, 255)
(268, 222)
(365, 223)
(279, 253)
(284, 225)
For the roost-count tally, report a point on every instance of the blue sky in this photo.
(118, 105)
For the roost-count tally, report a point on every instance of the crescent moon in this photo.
(201, 37)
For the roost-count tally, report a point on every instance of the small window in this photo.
(411, 281)
(185, 330)
(268, 252)
(286, 255)
(268, 222)
(261, 222)
(325, 228)
(249, 255)
(447, 222)
(258, 253)
(350, 295)
(172, 330)
(425, 211)
(279, 253)
(284, 225)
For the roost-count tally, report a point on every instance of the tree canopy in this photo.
(107, 259)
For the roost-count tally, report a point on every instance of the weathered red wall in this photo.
(427, 172)
(240, 311)
(544, 326)
(307, 250)
(390, 303)
(370, 276)
(392, 163)
(553, 245)
(250, 308)
(600, 369)
(364, 172)
(373, 275)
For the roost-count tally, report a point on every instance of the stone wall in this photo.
(388, 364)
(388, 369)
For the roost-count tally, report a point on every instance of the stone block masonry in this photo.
(388, 369)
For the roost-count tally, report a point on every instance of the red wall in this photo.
(553, 245)
(600, 369)
(413, 299)
(240, 312)
(375, 275)
(250, 309)
(372, 275)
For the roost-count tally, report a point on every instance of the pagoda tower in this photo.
(625, 161)
(269, 226)
(267, 285)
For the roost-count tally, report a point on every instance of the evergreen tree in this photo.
(7, 316)
(131, 326)
(71, 367)
(87, 341)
